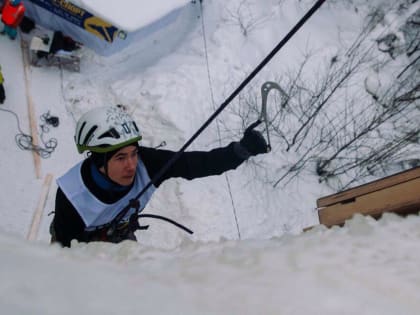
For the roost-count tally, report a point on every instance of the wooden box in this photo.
(399, 193)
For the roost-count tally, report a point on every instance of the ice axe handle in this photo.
(253, 125)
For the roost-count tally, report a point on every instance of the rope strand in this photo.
(263, 63)
(25, 141)
(217, 121)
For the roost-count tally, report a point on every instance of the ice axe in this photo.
(265, 89)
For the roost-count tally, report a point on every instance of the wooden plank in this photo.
(403, 198)
(37, 216)
(350, 194)
(31, 109)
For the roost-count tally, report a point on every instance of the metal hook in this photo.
(265, 89)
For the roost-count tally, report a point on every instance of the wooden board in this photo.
(31, 109)
(37, 216)
(379, 184)
(399, 193)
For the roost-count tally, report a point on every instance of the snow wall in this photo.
(94, 32)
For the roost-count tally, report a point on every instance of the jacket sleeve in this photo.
(67, 223)
(190, 165)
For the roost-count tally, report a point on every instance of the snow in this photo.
(367, 267)
(131, 15)
(248, 254)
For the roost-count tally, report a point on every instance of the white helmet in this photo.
(105, 129)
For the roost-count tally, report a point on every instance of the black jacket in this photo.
(68, 225)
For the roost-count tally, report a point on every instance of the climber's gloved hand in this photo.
(252, 143)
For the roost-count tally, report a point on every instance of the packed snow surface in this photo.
(248, 254)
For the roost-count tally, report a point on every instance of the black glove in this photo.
(252, 143)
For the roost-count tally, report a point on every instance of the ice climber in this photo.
(12, 14)
(93, 192)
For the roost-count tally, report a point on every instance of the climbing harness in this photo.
(132, 204)
(125, 230)
(118, 231)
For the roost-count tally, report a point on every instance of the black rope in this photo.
(25, 141)
(50, 120)
(154, 216)
(263, 63)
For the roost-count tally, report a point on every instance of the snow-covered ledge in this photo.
(132, 15)
(108, 27)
